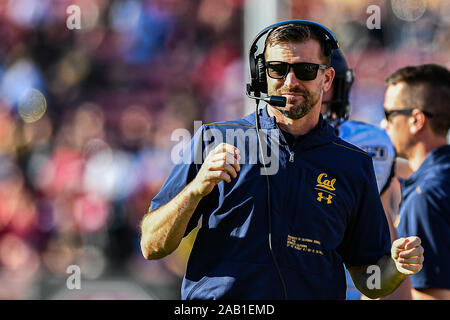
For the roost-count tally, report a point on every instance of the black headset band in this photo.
(331, 38)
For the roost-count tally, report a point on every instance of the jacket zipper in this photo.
(291, 153)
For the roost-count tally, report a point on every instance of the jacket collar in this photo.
(323, 133)
(265, 121)
(438, 159)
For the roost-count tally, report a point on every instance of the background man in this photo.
(326, 210)
(417, 120)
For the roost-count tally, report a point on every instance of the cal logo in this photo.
(325, 183)
(325, 186)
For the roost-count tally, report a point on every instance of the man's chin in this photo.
(294, 111)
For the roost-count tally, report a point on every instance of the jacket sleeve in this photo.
(187, 165)
(367, 236)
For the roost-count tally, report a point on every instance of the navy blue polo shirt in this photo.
(425, 212)
(325, 211)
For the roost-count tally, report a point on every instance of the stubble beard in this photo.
(299, 110)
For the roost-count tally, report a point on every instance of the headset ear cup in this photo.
(253, 73)
(261, 70)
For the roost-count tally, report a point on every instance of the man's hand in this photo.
(222, 163)
(408, 255)
(406, 259)
(163, 229)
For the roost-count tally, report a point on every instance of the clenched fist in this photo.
(408, 255)
(222, 163)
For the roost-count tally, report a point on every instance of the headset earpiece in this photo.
(261, 73)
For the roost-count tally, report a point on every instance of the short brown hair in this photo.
(297, 33)
(428, 89)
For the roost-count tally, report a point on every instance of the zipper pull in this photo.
(291, 157)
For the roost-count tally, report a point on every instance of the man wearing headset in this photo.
(374, 140)
(321, 209)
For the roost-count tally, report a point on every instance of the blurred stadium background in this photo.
(86, 118)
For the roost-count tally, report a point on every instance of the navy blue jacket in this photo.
(425, 212)
(326, 211)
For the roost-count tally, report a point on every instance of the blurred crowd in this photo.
(75, 182)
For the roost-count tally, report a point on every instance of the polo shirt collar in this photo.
(436, 157)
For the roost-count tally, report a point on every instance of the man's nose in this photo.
(291, 78)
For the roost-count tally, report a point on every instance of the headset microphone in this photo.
(276, 101)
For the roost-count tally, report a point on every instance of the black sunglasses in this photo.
(305, 71)
(388, 113)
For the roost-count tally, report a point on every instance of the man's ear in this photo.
(416, 121)
(328, 78)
